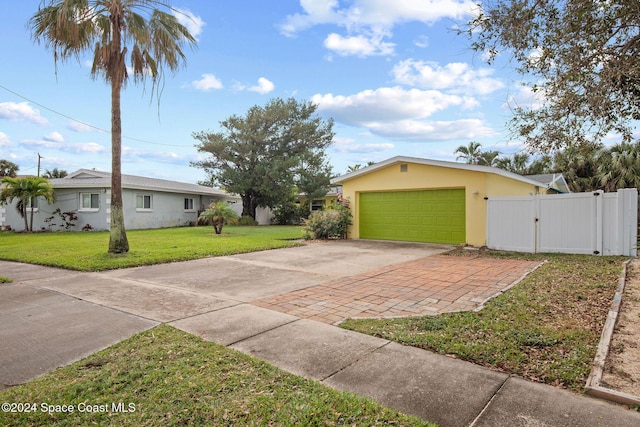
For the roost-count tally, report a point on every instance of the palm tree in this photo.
(580, 164)
(25, 191)
(518, 163)
(217, 214)
(619, 167)
(353, 168)
(114, 31)
(470, 153)
(55, 173)
(488, 158)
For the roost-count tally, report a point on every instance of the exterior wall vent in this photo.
(404, 167)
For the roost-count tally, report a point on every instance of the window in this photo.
(188, 204)
(32, 204)
(89, 201)
(143, 202)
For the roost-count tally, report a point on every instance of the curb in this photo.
(593, 386)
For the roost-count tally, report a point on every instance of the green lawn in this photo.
(165, 377)
(87, 251)
(546, 329)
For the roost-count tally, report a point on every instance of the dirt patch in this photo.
(622, 369)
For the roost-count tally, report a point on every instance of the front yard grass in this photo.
(167, 377)
(87, 251)
(546, 329)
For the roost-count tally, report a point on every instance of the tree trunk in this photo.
(24, 215)
(249, 205)
(33, 200)
(118, 242)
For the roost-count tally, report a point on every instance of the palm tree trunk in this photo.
(24, 215)
(118, 242)
(33, 200)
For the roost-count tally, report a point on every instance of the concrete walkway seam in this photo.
(489, 402)
(363, 357)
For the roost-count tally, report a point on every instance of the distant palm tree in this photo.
(619, 167)
(353, 168)
(540, 165)
(580, 164)
(26, 190)
(488, 158)
(470, 153)
(518, 163)
(217, 214)
(114, 31)
(55, 173)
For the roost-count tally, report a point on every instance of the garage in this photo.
(434, 216)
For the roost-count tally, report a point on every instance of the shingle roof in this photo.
(88, 178)
(552, 180)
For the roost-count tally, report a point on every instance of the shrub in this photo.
(247, 220)
(67, 219)
(332, 223)
(290, 213)
(217, 214)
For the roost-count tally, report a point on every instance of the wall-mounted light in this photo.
(475, 192)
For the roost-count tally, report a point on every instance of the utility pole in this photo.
(39, 157)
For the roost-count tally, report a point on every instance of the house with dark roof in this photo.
(147, 202)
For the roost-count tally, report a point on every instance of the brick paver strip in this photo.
(427, 286)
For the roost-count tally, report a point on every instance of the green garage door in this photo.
(435, 216)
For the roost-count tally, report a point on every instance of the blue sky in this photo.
(393, 75)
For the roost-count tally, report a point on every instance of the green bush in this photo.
(332, 223)
(290, 213)
(247, 220)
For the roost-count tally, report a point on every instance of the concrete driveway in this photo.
(51, 317)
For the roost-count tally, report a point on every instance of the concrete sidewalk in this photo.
(52, 317)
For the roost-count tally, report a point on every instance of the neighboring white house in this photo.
(148, 202)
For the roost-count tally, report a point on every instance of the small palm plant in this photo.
(217, 215)
(25, 190)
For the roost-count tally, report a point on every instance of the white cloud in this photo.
(523, 96)
(368, 22)
(362, 14)
(430, 131)
(21, 111)
(55, 141)
(350, 147)
(194, 23)
(456, 76)
(54, 137)
(386, 104)
(207, 83)
(422, 42)
(264, 86)
(358, 45)
(80, 127)
(4, 140)
(87, 147)
(402, 114)
(40, 143)
(136, 155)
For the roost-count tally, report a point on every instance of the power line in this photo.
(84, 123)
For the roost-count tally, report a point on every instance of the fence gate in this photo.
(579, 223)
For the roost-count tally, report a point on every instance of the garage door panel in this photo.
(436, 216)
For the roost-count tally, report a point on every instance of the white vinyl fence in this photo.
(578, 223)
